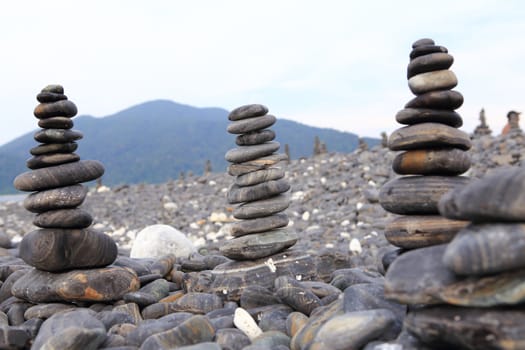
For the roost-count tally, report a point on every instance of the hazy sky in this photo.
(339, 64)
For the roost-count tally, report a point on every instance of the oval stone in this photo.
(237, 169)
(426, 49)
(57, 135)
(55, 88)
(62, 108)
(244, 227)
(54, 148)
(444, 161)
(56, 123)
(60, 175)
(258, 245)
(48, 96)
(423, 42)
(428, 135)
(417, 195)
(251, 124)
(255, 138)
(59, 249)
(414, 231)
(51, 159)
(260, 176)
(257, 192)
(429, 63)
(437, 80)
(409, 116)
(63, 218)
(57, 198)
(443, 99)
(248, 111)
(498, 196)
(247, 153)
(478, 249)
(265, 207)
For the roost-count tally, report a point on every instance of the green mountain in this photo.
(155, 141)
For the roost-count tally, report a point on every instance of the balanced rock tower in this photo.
(260, 188)
(432, 152)
(64, 241)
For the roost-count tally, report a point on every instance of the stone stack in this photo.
(260, 188)
(482, 129)
(64, 241)
(473, 286)
(433, 152)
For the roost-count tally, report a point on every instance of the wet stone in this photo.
(48, 96)
(441, 161)
(416, 231)
(294, 322)
(16, 313)
(262, 208)
(429, 63)
(292, 293)
(257, 192)
(62, 108)
(259, 176)
(425, 50)
(231, 338)
(60, 175)
(442, 100)
(428, 135)
(255, 137)
(132, 310)
(57, 198)
(147, 328)
(51, 159)
(417, 195)
(274, 318)
(54, 148)
(105, 284)
(345, 278)
(255, 296)
(247, 153)
(44, 311)
(258, 245)
(63, 218)
(271, 340)
(163, 265)
(251, 124)
(477, 249)
(14, 338)
(237, 169)
(410, 116)
(247, 111)
(111, 318)
(5, 290)
(61, 249)
(57, 135)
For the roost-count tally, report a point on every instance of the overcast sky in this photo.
(338, 64)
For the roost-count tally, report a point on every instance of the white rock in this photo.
(355, 246)
(171, 206)
(359, 205)
(103, 189)
(245, 322)
(212, 183)
(306, 216)
(345, 223)
(157, 240)
(218, 217)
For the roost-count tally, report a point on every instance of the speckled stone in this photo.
(268, 189)
(57, 176)
(63, 218)
(54, 148)
(60, 249)
(56, 198)
(259, 245)
(105, 284)
(247, 111)
(51, 159)
(409, 116)
(259, 176)
(62, 108)
(255, 137)
(416, 231)
(439, 100)
(437, 80)
(428, 135)
(57, 135)
(251, 124)
(425, 50)
(477, 249)
(237, 169)
(247, 153)
(262, 208)
(56, 123)
(429, 63)
(417, 195)
(443, 161)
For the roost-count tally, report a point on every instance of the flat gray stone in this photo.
(257, 192)
(437, 80)
(243, 227)
(429, 63)
(57, 135)
(56, 123)
(62, 108)
(425, 50)
(409, 116)
(238, 169)
(423, 42)
(54, 148)
(51, 159)
(259, 245)
(440, 100)
(244, 126)
(265, 207)
(57, 198)
(255, 137)
(428, 135)
(63, 218)
(247, 111)
(246, 153)
(260, 176)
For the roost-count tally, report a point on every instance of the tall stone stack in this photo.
(63, 241)
(260, 187)
(433, 152)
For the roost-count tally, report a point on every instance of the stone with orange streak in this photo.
(444, 161)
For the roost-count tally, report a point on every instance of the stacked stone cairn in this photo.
(433, 152)
(482, 129)
(260, 188)
(63, 244)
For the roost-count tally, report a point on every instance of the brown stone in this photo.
(429, 63)
(63, 218)
(62, 108)
(443, 161)
(428, 135)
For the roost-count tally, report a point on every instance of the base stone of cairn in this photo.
(432, 152)
(64, 242)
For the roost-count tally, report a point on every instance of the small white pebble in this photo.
(194, 226)
(372, 183)
(170, 206)
(306, 216)
(212, 183)
(245, 322)
(366, 168)
(343, 184)
(298, 277)
(355, 246)
(323, 180)
(329, 245)
(359, 205)
(344, 234)
(270, 265)
(345, 223)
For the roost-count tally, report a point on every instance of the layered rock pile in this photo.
(260, 187)
(482, 129)
(433, 152)
(64, 242)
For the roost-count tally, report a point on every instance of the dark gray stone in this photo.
(54, 148)
(255, 138)
(61, 108)
(57, 135)
(244, 227)
(51, 159)
(63, 218)
(266, 207)
(259, 176)
(57, 198)
(439, 100)
(268, 189)
(409, 116)
(429, 63)
(246, 153)
(247, 111)
(428, 135)
(259, 245)
(251, 124)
